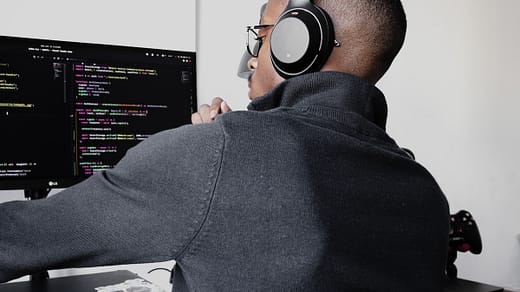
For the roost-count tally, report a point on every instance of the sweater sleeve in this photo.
(147, 208)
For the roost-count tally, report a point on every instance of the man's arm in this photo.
(147, 209)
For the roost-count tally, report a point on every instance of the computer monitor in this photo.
(70, 109)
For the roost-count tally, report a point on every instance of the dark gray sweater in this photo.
(303, 192)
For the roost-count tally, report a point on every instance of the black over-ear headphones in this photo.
(302, 39)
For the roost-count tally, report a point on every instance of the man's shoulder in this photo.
(274, 116)
(203, 137)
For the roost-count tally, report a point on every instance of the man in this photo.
(303, 192)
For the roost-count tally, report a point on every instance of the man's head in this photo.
(371, 33)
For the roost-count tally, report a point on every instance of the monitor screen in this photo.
(69, 109)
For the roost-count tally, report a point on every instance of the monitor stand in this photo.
(37, 194)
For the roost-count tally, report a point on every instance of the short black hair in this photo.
(376, 27)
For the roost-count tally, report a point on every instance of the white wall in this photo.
(221, 41)
(452, 100)
(163, 24)
(451, 94)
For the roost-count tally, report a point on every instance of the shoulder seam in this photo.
(214, 176)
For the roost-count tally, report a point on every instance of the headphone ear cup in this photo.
(290, 41)
(301, 40)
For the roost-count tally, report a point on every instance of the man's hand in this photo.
(208, 113)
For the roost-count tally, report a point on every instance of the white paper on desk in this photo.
(134, 285)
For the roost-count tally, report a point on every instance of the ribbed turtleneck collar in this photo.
(341, 91)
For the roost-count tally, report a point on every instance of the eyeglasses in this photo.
(254, 40)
